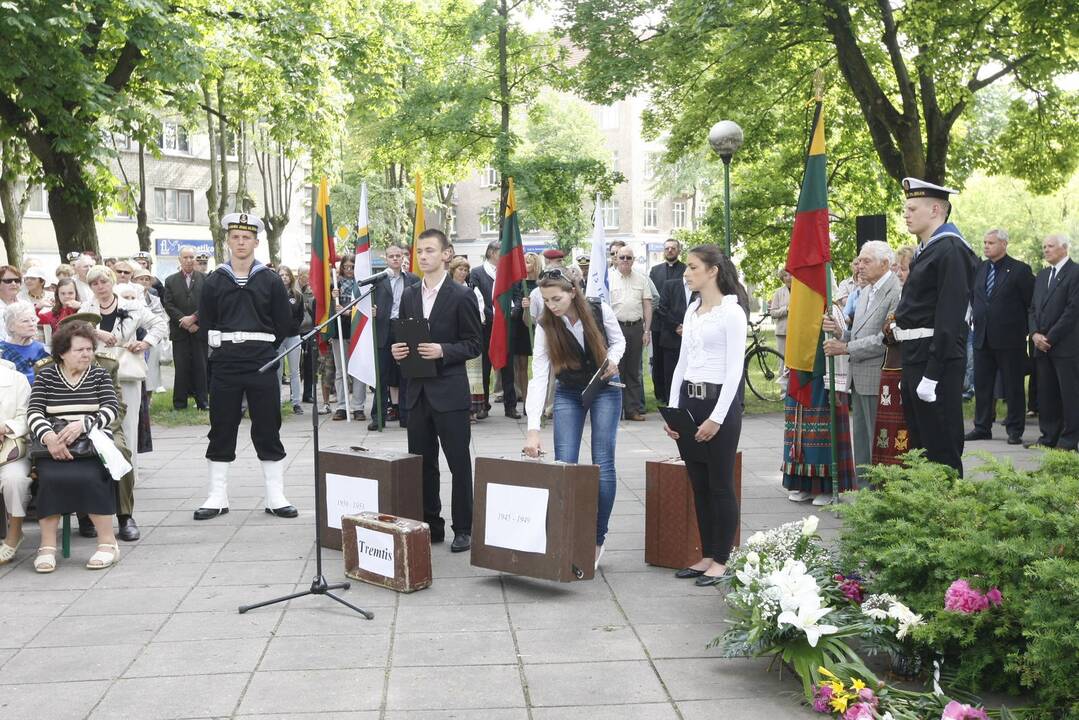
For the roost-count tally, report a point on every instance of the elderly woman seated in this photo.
(68, 400)
(14, 466)
(21, 349)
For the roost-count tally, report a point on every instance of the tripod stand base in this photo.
(319, 586)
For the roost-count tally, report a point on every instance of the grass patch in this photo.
(162, 413)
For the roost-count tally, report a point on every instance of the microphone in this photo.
(373, 279)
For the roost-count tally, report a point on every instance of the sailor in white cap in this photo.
(245, 310)
(931, 323)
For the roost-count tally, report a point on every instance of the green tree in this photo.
(18, 172)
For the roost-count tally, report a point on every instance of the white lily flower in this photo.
(809, 525)
(753, 558)
(806, 619)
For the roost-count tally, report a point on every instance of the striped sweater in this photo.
(92, 400)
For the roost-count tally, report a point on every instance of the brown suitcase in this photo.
(362, 480)
(671, 536)
(503, 527)
(386, 550)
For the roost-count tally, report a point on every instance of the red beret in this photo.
(553, 253)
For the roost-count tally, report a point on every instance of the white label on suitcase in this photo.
(346, 495)
(517, 517)
(374, 552)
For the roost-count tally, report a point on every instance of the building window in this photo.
(173, 137)
(489, 220)
(650, 215)
(679, 212)
(39, 201)
(702, 208)
(614, 161)
(174, 205)
(610, 214)
(490, 178)
(608, 117)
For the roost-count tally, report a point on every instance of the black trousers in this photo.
(189, 360)
(229, 386)
(713, 481)
(937, 427)
(629, 368)
(509, 392)
(670, 362)
(426, 427)
(307, 376)
(661, 379)
(1010, 362)
(1058, 401)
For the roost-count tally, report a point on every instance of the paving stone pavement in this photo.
(159, 637)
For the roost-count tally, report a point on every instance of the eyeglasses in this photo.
(11, 281)
(625, 257)
(123, 272)
(554, 274)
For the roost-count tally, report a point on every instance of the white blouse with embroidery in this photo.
(713, 351)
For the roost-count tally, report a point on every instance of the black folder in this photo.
(597, 383)
(679, 420)
(414, 331)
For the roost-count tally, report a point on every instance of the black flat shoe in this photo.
(513, 414)
(978, 435)
(207, 513)
(688, 572)
(461, 542)
(1015, 440)
(287, 511)
(707, 580)
(129, 531)
(86, 527)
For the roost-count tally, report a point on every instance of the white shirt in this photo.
(429, 295)
(1058, 267)
(877, 286)
(713, 351)
(541, 363)
(397, 287)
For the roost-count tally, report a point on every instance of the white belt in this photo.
(912, 333)
(215, 337)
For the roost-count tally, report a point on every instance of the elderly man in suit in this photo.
(1000, 307)
(181, 302)
(863, 342)
(1054, 328)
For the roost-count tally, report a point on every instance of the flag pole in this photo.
(831, 389)
(341, 367)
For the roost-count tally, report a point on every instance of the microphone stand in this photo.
(319, 586)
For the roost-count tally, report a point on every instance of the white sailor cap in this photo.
(916, 188)
(242, 221)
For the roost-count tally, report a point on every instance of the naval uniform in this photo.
(933, 310)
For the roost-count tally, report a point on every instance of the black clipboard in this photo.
(413, 331)
(597, 383)
(679, 420)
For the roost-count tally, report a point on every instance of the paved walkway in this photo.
(158, 636)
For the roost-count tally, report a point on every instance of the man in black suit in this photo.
(674, 298)
(1054, 317)
(386, 298)
(1000, 307)
(438, 407)
(670, 269)
(181, 301)
(483, 278)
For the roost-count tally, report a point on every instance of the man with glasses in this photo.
(631, 299)
(386, 298)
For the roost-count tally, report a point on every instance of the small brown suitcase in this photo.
(505, 530)
(671, 536)
(362, 480)
(386, 550)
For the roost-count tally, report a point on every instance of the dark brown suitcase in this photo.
(362, 480)
(569, 552)
(671, 536)
(386, 550)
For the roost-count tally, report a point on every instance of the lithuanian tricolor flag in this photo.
(510, 271)
(323, 256)
(809, 252)
(419, 224)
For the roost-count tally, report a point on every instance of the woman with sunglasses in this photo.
(708, 382)
(10, 285)
(574, 339)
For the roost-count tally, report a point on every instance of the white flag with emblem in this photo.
(597, 267)
(361, 350)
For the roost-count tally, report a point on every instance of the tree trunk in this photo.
(142, 228)
(214, 191)
(14, 199)
(72, 215)
(242, 203)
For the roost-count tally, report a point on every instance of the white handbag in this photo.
(130, 366)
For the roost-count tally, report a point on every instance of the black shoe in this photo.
(287, 511)
(707, 580)
(688, 572)
(1015, 439)
(86, 528)
(340, 415)
(359, 415)
(373, 425)
(129, 531)
(482, 415)
(978, 435)
(297, 410)
(207, 513)
(513, 414)
(461, 542)
(437, 538)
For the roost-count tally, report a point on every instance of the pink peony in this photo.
(821, 699)
(994, 597)
(958, 711)
(866, 695)
(821, 705)
(850, 587)
(961, 597)
(859, 711)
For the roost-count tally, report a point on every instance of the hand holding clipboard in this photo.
(598, 382)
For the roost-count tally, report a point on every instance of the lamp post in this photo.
(725, 137)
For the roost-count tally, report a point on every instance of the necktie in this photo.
(1052, 277)
(990, 279)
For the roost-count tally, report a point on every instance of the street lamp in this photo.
(725, 137)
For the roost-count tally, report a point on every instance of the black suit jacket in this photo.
(1000, 321)
(382, 297)
(180, 301)
(672, 298)
(1054, 311)
(455, 324)
(479, 279)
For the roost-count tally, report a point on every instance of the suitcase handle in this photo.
(358, 448)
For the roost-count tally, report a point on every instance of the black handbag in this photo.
(81, 448)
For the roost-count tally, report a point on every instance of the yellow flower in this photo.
(826, 672)
(837, 687)
(839, 703)
(857, 684)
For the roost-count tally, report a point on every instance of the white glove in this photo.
(927, 390)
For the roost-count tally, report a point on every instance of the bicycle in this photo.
(763, 366)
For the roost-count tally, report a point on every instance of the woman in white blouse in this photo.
(574, 339)
(708, 383)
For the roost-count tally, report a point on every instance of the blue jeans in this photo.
(568, 431)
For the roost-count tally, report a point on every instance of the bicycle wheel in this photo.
(764, 366)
